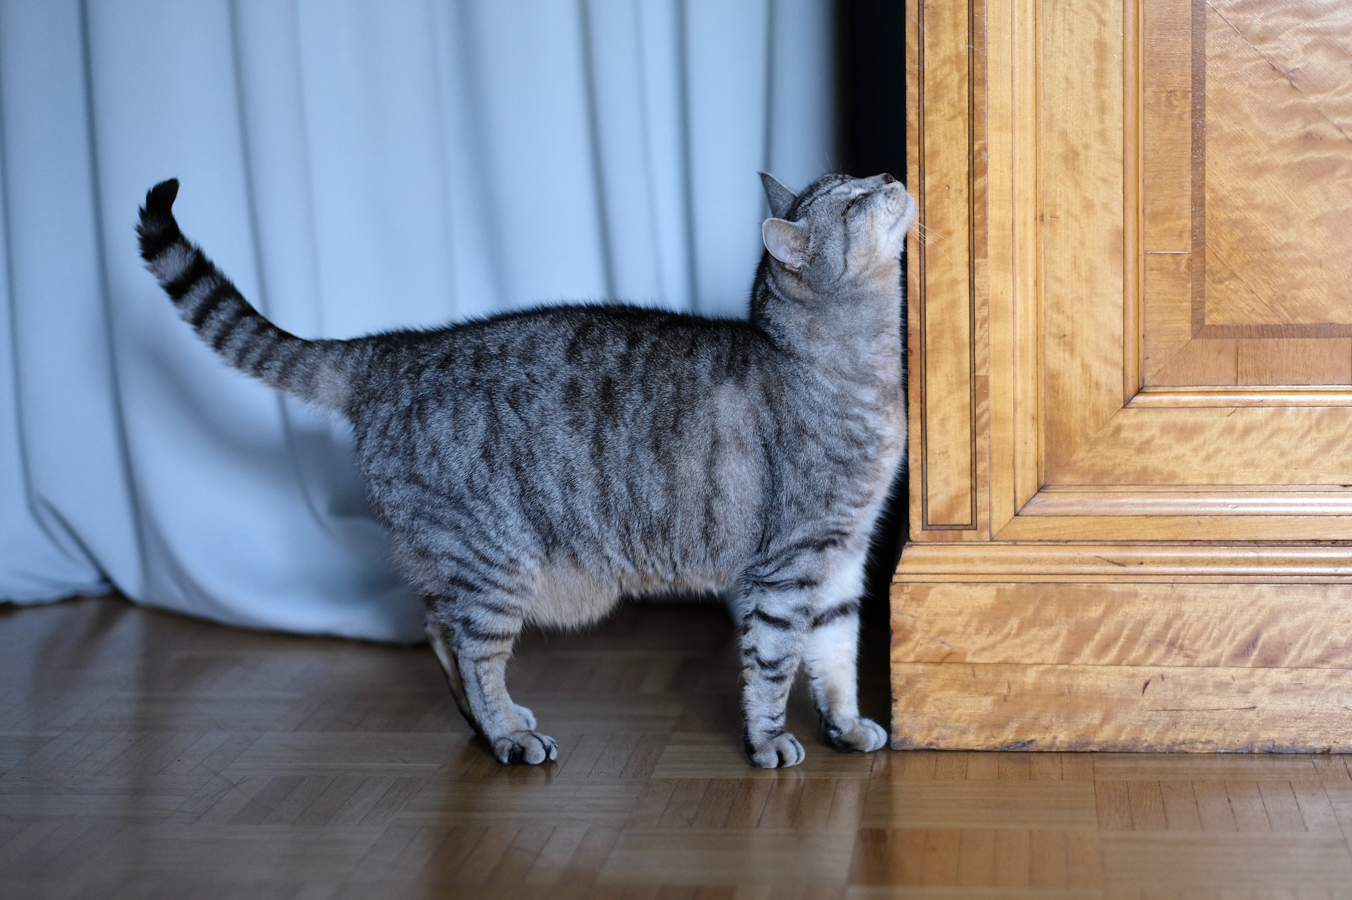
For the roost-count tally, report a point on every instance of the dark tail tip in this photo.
(158, 230)
(160, 199)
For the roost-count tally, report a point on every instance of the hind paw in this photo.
(776, 752)
(864, 736)
(529, 747)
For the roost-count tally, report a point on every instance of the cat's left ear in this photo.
(786, 241)
(778, 195)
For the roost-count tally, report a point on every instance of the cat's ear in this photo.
(786, 241)
(780, 197)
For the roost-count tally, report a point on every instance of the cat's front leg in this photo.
(772, 649)
(830, 659)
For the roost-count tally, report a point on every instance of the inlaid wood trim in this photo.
(1223, 529)
(1133, 190)
(1239, 396)
(1127, 562)
(1069, 502)
(1269, 332)
(1198, 258)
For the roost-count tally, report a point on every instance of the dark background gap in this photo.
(870, 75)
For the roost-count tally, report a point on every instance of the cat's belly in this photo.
(566, 596)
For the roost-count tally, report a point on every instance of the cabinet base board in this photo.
(1122, 667)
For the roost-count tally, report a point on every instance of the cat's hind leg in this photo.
(473, 636)
(830, 658)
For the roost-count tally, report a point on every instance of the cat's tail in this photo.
(318, 371)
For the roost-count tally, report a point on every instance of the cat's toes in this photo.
(529, 747)
(776, 752)
(526, 715)
(864, 736)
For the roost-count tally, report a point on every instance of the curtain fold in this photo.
(353, 166)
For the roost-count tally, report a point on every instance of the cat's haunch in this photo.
(538, 466)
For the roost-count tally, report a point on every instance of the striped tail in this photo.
(318, 371)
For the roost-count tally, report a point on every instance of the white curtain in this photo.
(353, 166)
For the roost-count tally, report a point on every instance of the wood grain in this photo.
(145, 755)
(1137, 667)
(1278, 163)
(1163, 398)
(1120, 708)
(1211, 363)
(1250, 446)
(1167, 198)
(1224, 529)
(1080, 159)
(1163, 487)
(1167, 40)
(1014, 261)
(1182, 502)
(148, 755)
(1322, 361)
(1143, 561)
(945, 315)
(1165, 625)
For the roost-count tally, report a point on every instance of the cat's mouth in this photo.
(901, 204)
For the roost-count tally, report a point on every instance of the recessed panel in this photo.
(1258, 292)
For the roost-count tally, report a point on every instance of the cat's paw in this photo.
(776, 752)
(526, 715)
(864, 736)
(529, 747)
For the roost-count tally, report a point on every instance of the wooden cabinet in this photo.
(1131, 377)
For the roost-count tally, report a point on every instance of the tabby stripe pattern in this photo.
(318, 371)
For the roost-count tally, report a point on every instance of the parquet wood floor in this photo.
(144, 755)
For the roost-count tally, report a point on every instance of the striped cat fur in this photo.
(538, 466)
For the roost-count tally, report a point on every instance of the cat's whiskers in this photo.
(921, 226)
(923, 236)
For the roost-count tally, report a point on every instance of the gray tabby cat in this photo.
(537, 466)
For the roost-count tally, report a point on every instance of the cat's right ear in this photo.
(780, 197)
(786, 241)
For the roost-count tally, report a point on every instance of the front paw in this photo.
(526, 715)
(864, 736)
(776, 751)
(529, 747)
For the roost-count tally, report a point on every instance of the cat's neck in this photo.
(855, 331)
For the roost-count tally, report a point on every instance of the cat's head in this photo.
(838, 231)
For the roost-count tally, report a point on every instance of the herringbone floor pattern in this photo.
(144, 755)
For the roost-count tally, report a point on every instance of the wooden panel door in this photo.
(1131, 377)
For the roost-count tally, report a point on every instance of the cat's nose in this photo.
(888, 179)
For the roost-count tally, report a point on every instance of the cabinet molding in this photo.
(1125, 562)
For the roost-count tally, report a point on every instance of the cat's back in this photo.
(571, 356)
(559, 386)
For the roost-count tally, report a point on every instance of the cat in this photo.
(536, 466)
